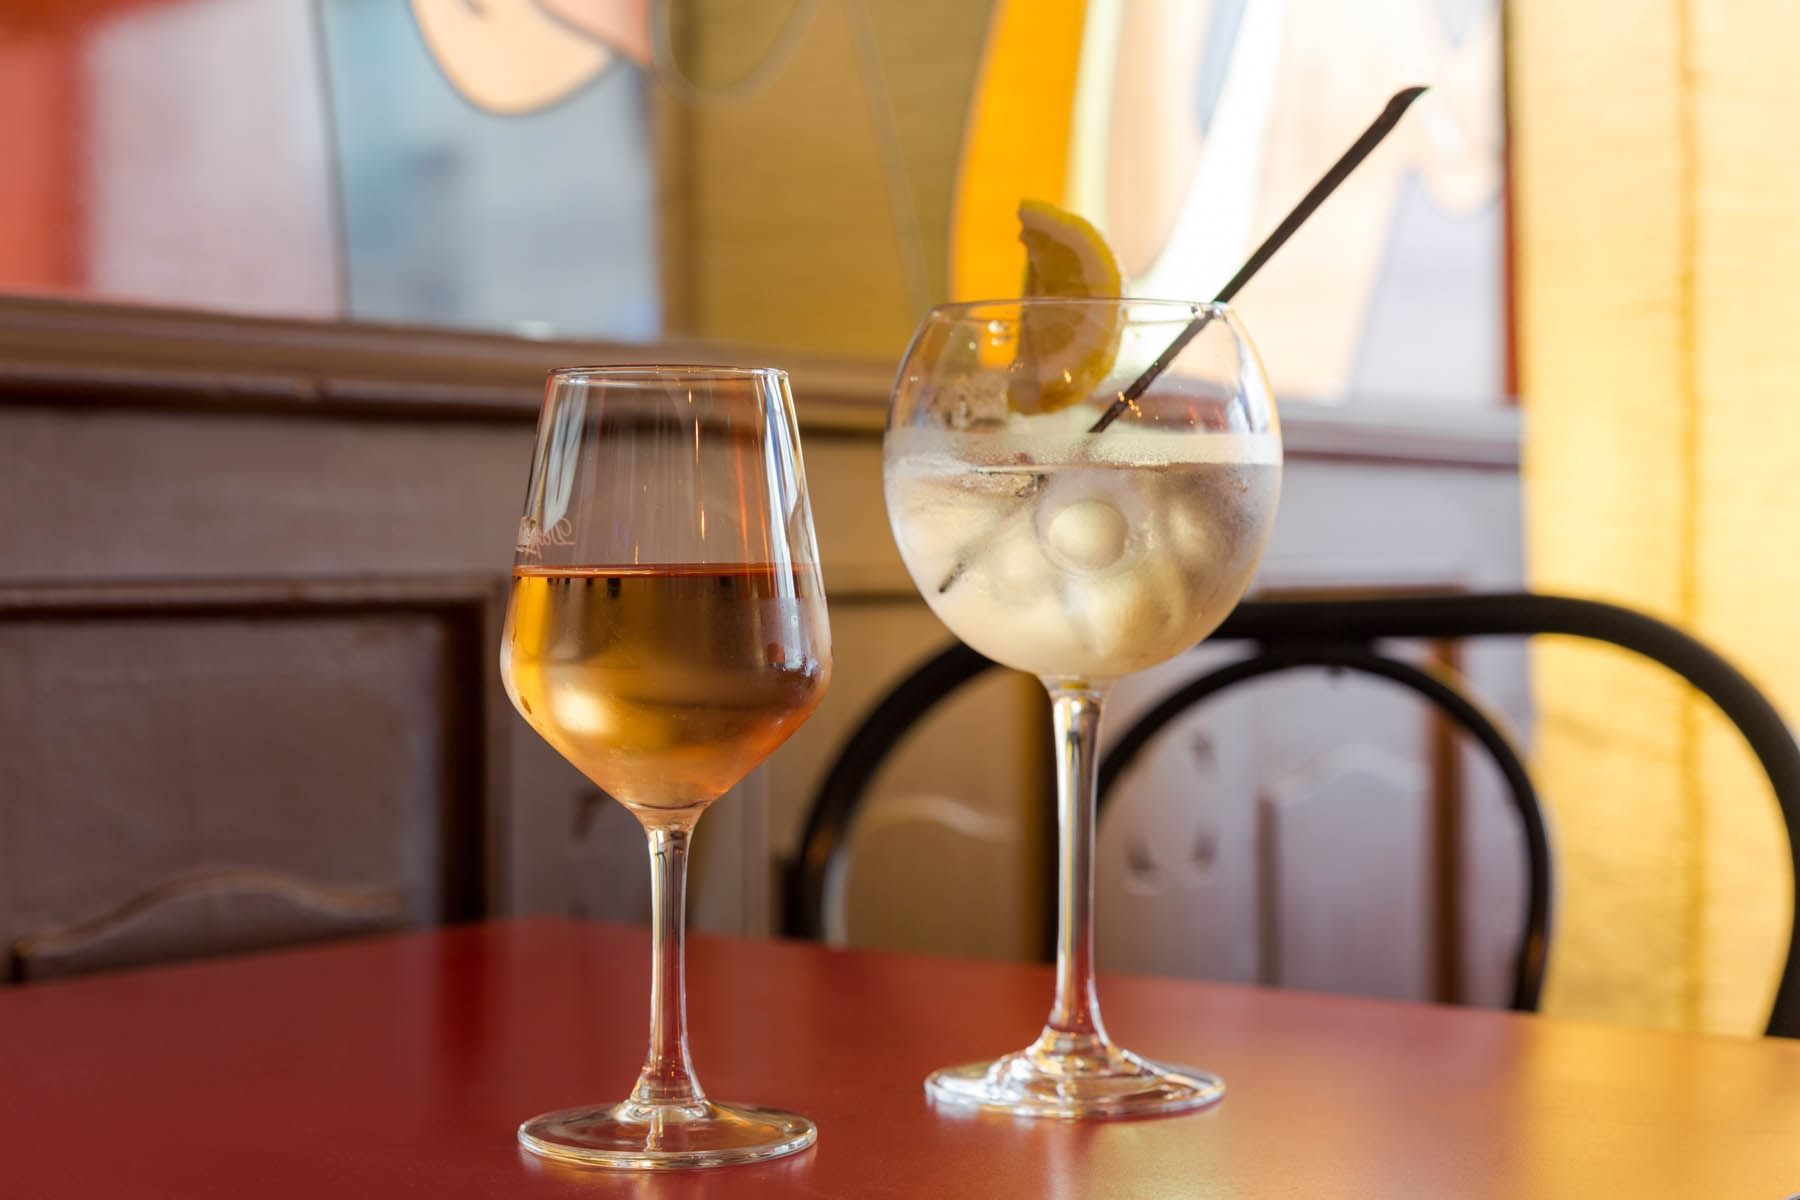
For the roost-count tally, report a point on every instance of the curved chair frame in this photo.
(1439, 688)
(1341, 635)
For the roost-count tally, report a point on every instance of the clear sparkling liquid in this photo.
(1081, 570)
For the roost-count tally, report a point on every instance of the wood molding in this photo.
(253, 597)
(55, 352)
(1371, 429)
(337, 910)
(67, 354)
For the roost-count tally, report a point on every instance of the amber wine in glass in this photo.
(666, 632)
(657, 679)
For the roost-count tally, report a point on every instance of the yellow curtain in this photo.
(1657, 200)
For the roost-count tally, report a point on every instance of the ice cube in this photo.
(1132, 614)
(1013, 563)
(1090, 520)
(1190, 523)
(1088, 535)
(938, 519)
(1029, 631)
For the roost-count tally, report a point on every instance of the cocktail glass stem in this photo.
(1073, 1069)
(667, 1079)
(1074, 1030)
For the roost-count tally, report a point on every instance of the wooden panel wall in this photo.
(1317, 831)
(250, 576)
(324, 735)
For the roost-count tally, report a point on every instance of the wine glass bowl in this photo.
(666, 632)
(1080, 534)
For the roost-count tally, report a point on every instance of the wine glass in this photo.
(666, 632)
(1081, 488)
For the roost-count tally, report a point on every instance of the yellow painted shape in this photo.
(780, 219)
(1016, 143)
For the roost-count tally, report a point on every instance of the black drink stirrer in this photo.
(1309, 203)
(1340, 171)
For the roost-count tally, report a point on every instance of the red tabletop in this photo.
(400, 1066)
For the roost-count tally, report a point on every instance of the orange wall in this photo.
(39, 147)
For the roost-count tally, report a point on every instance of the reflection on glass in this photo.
(807, 174)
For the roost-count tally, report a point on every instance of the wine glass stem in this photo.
(1074, 1027)
(668, 1074)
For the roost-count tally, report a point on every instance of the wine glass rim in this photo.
(1178, 311)
(664, 372)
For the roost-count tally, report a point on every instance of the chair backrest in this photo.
(1346, 635)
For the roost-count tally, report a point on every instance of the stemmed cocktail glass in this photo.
(1081, 488)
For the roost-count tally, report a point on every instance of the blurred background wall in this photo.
(246, 244)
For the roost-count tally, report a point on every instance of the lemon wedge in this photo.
(1063, 353)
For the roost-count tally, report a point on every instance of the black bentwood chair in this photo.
(1343, 635)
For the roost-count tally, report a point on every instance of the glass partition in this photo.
(795, 174)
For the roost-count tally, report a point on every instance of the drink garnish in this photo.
(1063, 354)
(1073, 253)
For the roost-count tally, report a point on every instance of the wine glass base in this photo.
(1117, 1084)
(640, 1137)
